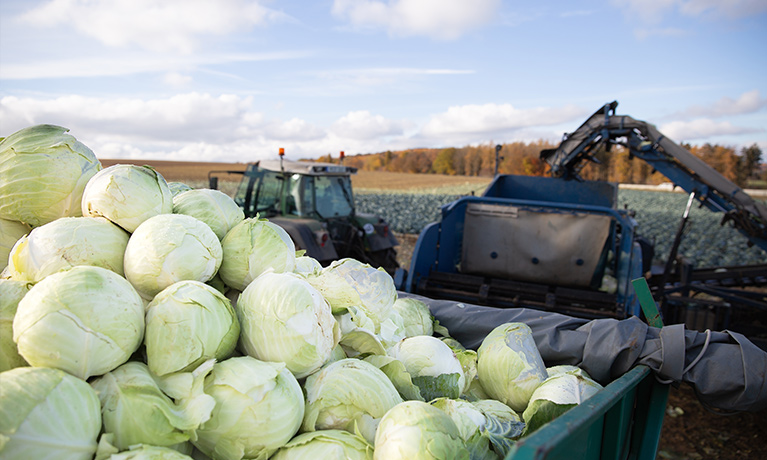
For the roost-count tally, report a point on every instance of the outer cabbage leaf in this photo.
(555, 396)
(432, 365)
(136, 411)
(11, 293)
(10, 232)
(471, 425)
(47, 414)
(43, 172)
(502, 427)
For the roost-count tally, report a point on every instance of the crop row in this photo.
(705, 242)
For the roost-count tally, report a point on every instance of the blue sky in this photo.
(234, 80)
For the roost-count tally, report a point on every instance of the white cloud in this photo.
(439, 19)
(176, 79)
(362, 125)
(183, 117)
(170, 25)
(488, 119)
(702, 128)
(294, 129)
(748, 102)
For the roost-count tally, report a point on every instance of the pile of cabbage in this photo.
(146, 320)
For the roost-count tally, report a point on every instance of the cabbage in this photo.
(509, 365)
(11, 293)
(556, 395)
(169, 248)
(177, 188)
(136, 411)
(416, 316)
(10, 232)
(350, 395)
(283, 318)
(142, 452)
(47, 414)
(43, 172)
(415, 430)
(65, 243)
(127, 195)
(86, 321)
(307, 265)
(471, 426)
(351, 283)
(432, 365)
(251, 248)
(188, 323)
(259, 407)
(213, 207)
(325, 445)
(502, 426)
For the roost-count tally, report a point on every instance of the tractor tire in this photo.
(386, 258)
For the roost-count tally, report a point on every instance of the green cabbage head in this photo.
(326, 445)
(351, 283)
(188, 323)
(509, 365)
(432, 365)
(415, 430)
(43, 172)
(47, 414)
(86, 321)
(215, 208)
(127, 195)
(169, 248)
(284, 319)
(259, 407)
(253, 247)
(65, 243)
(349, 394)
(556, 395)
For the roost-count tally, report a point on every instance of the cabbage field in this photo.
(705, 243)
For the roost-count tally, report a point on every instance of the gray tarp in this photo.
(729, 375)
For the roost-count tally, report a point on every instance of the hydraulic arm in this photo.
(681, 167)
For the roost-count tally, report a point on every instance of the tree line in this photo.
(523, 158)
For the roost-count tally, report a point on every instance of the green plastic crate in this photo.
(622, 421)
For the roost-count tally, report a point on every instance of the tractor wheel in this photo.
(386, 258)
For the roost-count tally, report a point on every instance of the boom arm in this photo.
(670, 159)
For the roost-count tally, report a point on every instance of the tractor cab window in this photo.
(261, 193)
(333, 196)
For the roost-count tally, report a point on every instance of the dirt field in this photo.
(689, 430)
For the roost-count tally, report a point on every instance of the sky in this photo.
(235, 80)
